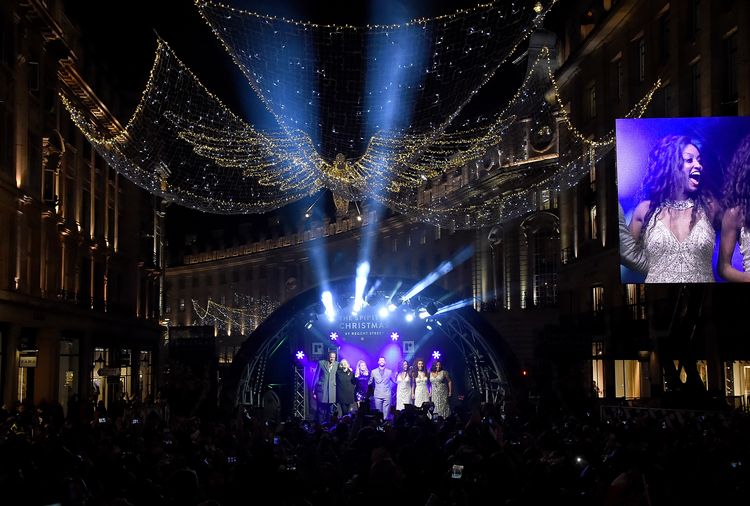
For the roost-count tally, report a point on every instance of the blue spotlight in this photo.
(327, 298)
(429, 327)
(456, 305)
(409, 317)
(383, 312)
(363, 270)
(443, 269)
(392, 307)
(423, 314)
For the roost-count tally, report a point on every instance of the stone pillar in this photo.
(11, 337)
(47, 365)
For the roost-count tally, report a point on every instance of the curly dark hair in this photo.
(664, 177)
(415, 369)
(737, 187)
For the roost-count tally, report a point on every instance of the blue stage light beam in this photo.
(395, 71)
(363, 270)
(455, 305)
(327, 299)
(442, 269)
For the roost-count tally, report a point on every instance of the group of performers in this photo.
(339, 387)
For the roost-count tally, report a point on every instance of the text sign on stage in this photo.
(361, 326)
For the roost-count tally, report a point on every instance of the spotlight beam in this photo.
(443, 269)
(363, 270)
(327, 299)
(455, 305)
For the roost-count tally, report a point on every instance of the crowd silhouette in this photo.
(138, 454)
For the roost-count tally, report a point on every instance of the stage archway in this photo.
(478, 358)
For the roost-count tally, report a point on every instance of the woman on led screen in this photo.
(673, 221)
(735, 224)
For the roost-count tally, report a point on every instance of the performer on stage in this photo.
(325, 386)
(362, 377)
(382, 378)
(421, 392)
(345, 382)
(404, 391)
(442, 389)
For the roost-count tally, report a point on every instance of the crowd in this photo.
(133, 455)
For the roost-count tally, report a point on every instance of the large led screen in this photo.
(684, 193)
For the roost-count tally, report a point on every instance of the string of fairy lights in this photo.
(427, 69)
(184, 144)
(244, 316)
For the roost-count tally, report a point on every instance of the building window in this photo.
(628, 379)
(635, 296)
(593, 223)
(693, 20)
(642, 60)
(737, 382)
(181, 304)
(695, 88)
(729, 95)
(144, 375)
(546, 257)
(618, 79)
(597, 299)
(664, 36)
(437, 233)
(547, 199)
(100, 362)
(597, 368)
(34, 76)
(591, 102)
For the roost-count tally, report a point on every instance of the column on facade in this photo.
(48, 355)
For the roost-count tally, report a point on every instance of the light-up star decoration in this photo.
(334, 336)
(300, 355)
(436, 355)
(366, 112)
(394, 336)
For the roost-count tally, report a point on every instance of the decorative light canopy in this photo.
(367, 112)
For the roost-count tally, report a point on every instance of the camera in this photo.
(103, 420)
(457, 472)
(136, 421)
(231, 460)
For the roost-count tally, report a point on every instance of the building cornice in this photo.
(74, 87)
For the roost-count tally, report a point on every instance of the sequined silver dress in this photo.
(673, 261)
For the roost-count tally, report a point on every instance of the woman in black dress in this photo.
(345, 382)
(362, 378)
